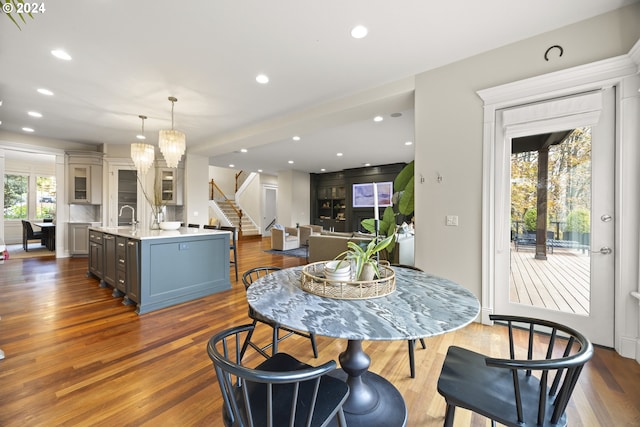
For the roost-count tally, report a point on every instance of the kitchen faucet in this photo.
(134, 223)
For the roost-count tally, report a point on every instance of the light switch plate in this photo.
(452, 220)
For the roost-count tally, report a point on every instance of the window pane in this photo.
(15, 196)
(46, 197)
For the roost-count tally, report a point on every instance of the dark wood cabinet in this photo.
(110, 261)
(132, 271)
(95, 254)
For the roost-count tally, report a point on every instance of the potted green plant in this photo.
(366, 264)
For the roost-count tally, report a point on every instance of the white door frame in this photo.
(622, 72)
(265, 190)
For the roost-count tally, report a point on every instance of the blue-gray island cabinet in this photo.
(156, 269)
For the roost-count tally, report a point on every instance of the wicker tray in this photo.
(313, 281)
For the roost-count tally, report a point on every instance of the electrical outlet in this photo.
(452, 220)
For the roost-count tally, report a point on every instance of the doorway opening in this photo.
(550, 221)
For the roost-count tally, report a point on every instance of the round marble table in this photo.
(422, 305)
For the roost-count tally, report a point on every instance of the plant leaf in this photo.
(403, 178)
(406, 203)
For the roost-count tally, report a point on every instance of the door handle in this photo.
(603, 250)
(606, 218)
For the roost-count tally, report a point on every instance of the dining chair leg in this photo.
(313, 345)
(235, 262)
(412, 362)
(424, 346)
(449, 415)
(274, 346)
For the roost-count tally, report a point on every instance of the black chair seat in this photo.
(469, 383)
(330, 395)
(531, 387)
(280, 391)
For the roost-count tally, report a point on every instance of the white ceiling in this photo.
(129, 56)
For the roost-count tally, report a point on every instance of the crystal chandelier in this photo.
(172, 142)
(142, 154)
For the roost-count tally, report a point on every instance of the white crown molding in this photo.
(571, 80)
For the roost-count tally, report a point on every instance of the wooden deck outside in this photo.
(561, 282)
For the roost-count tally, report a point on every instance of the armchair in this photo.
(286, 239)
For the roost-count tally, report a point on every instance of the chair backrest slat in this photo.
(280, 391)
(564, 369)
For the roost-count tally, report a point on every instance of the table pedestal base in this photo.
(373, 401)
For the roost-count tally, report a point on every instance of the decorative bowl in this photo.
(169, 225)
(337, 270)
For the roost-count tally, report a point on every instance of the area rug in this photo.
(300, 252)
(35, 251)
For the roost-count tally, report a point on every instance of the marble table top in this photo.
(422, 305)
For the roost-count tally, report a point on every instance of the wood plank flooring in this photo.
(561, 282)
(75, 356)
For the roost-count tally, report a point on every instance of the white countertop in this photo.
(141, 233)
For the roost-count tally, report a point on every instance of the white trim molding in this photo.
(623, 73)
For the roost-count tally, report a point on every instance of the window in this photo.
(15, 196)
(29, 196)
(45, 197)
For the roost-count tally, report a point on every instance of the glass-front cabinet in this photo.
(169, 184)
(85, 177)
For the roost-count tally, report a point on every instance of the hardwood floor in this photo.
(76, 356)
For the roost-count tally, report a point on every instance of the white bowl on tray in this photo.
(337, 270)
(169, 225)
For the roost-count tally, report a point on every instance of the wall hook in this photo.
(438, 178)
(555, 46)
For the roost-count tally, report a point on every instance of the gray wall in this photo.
(449, 131)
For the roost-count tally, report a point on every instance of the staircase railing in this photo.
(213, 187)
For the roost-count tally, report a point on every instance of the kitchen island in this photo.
(155, 268)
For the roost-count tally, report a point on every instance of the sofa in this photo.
(328, 245)
(285, 238)
(305, 231)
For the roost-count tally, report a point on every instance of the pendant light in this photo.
(142, 154)
(172, 142)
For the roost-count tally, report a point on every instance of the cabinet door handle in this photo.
(131, 243)
(121, 261)
(121, 281)
(121, 245)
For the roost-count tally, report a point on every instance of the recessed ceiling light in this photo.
(359, 32)
(61, 54)
(290, 162)
(323, 170)
(339, 154)
(140, 136)
(28, 130)
(366, 164)
(0, 122)
(0, 103)
(232, 166)
(263, 79)
(296, 138)
(259, 170)
(378, 119)
(34, 114)
(45, 92)
(243, 150)
(408, 143)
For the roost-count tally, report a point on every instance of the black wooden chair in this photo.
(248, 278)
(412, 343)
(29, 234)
(232, 246)
(280, 391)
(504, 390)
